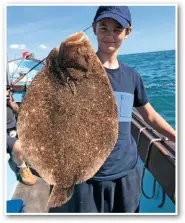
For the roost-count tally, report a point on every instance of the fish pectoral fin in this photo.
(59, 196)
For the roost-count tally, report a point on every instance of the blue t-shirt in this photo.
(129, 91)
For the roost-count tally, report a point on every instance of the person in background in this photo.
(13, 143)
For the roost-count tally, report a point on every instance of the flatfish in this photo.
(68, 120)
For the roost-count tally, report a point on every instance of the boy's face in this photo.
(110, 35)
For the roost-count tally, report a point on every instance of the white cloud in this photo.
(18, 46)
(42, 46)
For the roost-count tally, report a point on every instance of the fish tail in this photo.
(59, 196)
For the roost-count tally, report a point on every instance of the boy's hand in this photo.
(8, 94)
(9, 97)
(11, 103)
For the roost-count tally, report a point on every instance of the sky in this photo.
(39, 29)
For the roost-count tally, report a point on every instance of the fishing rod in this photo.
(87, 28)
(18, 66)
(8, 81)
(14, 65)
(20, 78)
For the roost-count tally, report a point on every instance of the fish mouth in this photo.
(77, 38)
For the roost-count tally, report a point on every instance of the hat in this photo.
(120, 13)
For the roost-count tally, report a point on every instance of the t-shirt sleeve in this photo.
(140, 95)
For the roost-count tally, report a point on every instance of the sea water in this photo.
(157, 70)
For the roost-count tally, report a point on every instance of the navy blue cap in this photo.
(120, 13)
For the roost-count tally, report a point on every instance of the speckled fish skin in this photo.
(68, 121)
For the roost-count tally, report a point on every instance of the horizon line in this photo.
(146, 52)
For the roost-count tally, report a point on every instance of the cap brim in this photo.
(116, 17)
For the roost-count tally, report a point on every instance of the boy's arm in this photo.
(14, 106)
(156, 121)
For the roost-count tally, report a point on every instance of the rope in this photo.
(163, 199)
(144, 169)
(138, 138)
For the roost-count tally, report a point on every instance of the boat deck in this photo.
(35, 197)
